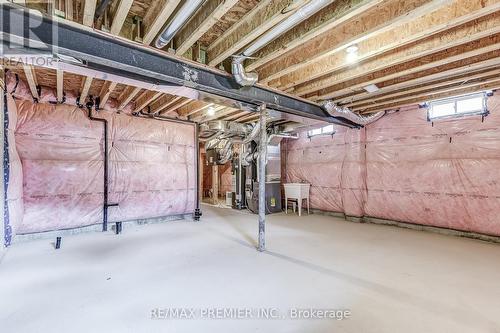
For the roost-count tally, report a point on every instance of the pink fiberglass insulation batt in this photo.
(404, 168)
(151, 167)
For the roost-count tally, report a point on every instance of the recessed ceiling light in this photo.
(371, 88)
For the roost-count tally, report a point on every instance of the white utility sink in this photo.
(299, 192)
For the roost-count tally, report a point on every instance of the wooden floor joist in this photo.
(60, 83)
(30, 74)
(156, 17)
(84, 92)
(106, 90)
(145, 99)
(204, 19)
(194, 107)
(446, 18)
(89, 12)
(432, 91)
(264, 16)
(198, 117)
(462, 79)
(127, 96)
(174, 107)
(163, 103)
(312, 55)
(444, 74)
(338, 13)
(349, 86)
(120, 16)
(413, 101)
(489, 26)
(223, 111)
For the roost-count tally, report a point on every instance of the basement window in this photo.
(326, 130)
(458, 106)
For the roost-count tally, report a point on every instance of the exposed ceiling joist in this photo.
(193, 107)
(341, 11)
(394, 14)
(347, 86)
(127, 96)
(89, 12)
(156, 17)
(164, 102)
(120, 16)
(235, 115)
(488, 26)
(431, 97)
(145, 99)
(203, 20)
(68, 10)
(216, 109)
(84, 92)
(461, 79)
(30, 74)
(436, 90)
(465, 68)
(264, 16)
(59, 84)
(106, 90)
(175, 107)
(217, 114)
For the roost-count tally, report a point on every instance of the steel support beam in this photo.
(117, 56)
(262, 177)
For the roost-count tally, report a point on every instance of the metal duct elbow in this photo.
(343, 112)
(254, 134)
(240, 75)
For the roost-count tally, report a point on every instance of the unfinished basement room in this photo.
(308, 166)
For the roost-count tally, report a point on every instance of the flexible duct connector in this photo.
(240, 75)
(343, 112)
(254, 134)
(182, 16)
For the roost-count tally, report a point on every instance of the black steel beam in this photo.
(118, 56)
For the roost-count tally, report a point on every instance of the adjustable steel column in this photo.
(262, 177)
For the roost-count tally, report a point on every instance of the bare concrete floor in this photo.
(390, 279)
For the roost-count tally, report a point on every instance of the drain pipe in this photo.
(197, 211)
(182, 16)
(343, 112)
(101, 8)
(105, 204)
(262, 178)
(304, 12)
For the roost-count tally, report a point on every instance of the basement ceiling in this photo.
(412, 50)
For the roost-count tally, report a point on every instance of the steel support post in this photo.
(262, 177)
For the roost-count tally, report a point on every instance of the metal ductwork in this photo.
(185, 12)
(240, 75)
(302, 13)
(339, 111)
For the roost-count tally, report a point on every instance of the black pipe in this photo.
(58, 243)
(105, 204)
(197, 210)
(101, 8)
